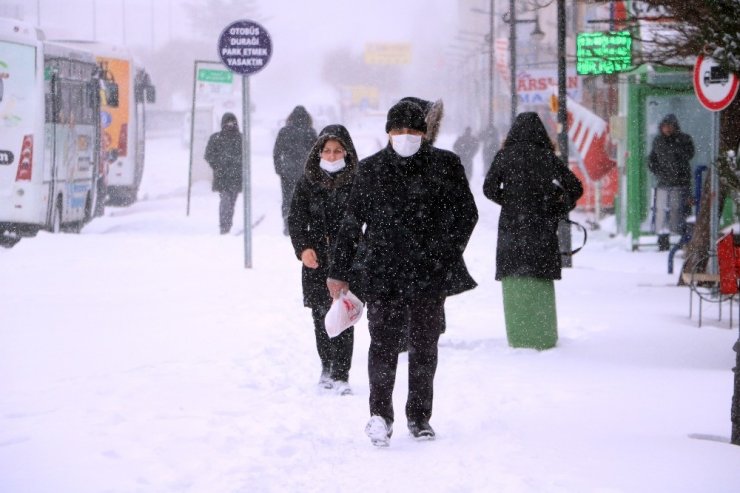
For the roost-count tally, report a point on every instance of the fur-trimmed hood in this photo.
(433, 113)
(314, 173)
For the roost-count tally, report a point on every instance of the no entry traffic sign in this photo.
(245, 47)
(714, 86)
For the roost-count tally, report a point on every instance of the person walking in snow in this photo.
(224, 156)
(466, 146)
(292, 145)
(316, 210)
(490, 141)
(415, 206)
(535, 189)
(669, 161)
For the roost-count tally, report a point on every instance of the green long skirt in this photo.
(529, 311)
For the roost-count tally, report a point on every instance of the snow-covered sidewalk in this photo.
(140, 356)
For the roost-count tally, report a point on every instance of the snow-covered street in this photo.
(141, 356)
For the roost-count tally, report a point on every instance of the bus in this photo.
(49, 132)
(124, 125)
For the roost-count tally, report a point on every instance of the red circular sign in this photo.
(714, 86)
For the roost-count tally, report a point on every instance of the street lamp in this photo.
(537, 36)
(491, 13)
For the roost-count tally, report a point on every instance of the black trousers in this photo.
(287, 185)
(387, 322)
(335, 352)
(226, 209)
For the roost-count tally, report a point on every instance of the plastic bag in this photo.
(344, 312)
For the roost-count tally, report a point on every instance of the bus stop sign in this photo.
(245, 47)
(714, 85)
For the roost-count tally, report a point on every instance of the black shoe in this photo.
(664, 243)
(421, 430)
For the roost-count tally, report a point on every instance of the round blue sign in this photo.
(245, 47)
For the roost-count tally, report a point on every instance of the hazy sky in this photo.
(301, 31)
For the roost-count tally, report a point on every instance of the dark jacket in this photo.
(292, 144)
(466, 146)
(418, 214)
(670, 156)
(224, 155)
(316, 210)
(521, 180)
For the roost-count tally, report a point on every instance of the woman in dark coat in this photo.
(224, 155)
(316, 211)
(535, 190)
(292, 145)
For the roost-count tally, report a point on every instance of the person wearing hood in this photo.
(316, 209)
(669, 161)
(224, 156)
(535, 189)
(417, 212)
(292, 145)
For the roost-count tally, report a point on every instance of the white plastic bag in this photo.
(344, 312)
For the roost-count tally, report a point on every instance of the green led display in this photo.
(603, 52)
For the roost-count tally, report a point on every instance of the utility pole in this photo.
(491, 43)
(564, 226)
(512, 61)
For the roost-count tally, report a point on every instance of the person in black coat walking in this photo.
(669, 161)
(466, 146)
(535, 190)
(292, 145)
(316, 210)
(418, 213)
(224, 156)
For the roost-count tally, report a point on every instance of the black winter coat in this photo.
(418, 214)
(521, 181)
(317, 208)
(224, 155)
(670, 156)
(292, 145)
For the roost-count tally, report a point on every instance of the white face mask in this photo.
(332, 166)
(406, 145)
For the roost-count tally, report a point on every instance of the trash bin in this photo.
(529, 312)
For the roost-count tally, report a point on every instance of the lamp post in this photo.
(491, 38)
(564, 226)
(537, 35)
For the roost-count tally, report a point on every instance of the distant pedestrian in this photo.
(316, 211)
(490, 144)
(413, 202)
(466, 146)
(535, 190)
(669, 161)
(224, 156)
(292, 145)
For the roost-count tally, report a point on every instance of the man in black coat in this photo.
(224, 155)
(669, 161)
(292, 145)
(415, 204)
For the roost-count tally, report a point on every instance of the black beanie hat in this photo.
(406, 114)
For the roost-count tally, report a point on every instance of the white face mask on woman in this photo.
(332, 166)
(406, 145)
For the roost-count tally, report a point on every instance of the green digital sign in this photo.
(603, 52)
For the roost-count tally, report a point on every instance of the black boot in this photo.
(664, 243)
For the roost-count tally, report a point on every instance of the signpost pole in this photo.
(245, 48)
(246, 174)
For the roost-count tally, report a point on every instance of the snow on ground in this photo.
(141, 356)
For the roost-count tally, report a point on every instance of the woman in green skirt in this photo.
(535, 190)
